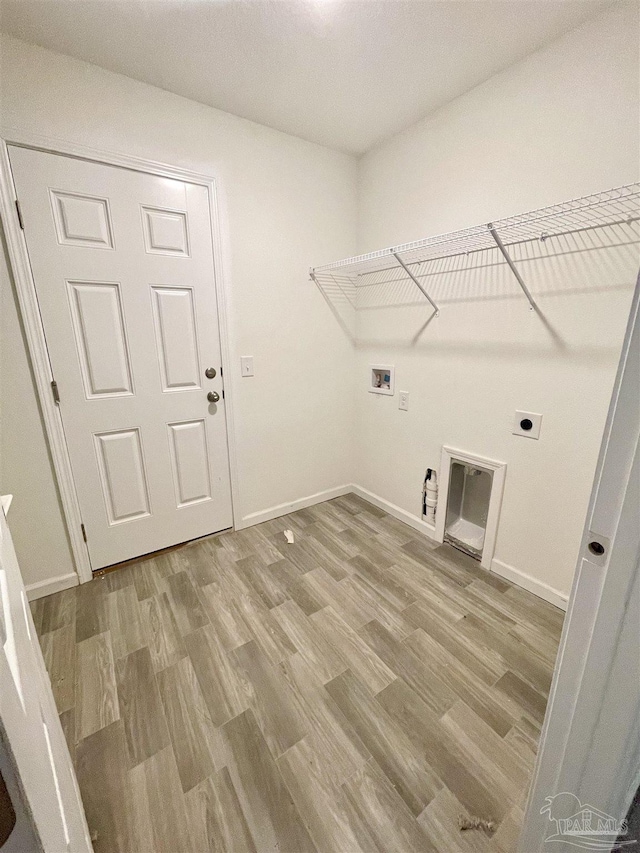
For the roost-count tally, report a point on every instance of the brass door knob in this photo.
(213, 396)
(210, 373)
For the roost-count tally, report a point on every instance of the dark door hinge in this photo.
(56, 393)
(19, 212)
(84, 532)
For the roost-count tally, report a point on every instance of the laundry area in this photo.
(319, 417)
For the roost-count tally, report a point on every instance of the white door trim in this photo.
(34, 329)
(449, 455)
(592, 643)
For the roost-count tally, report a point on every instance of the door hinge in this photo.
(55, 392)
(19, 212)
(84, 532)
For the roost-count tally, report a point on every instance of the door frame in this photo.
(34, 328)
(573, 710)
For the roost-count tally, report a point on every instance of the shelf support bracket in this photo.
(416, 282)
(512, 266)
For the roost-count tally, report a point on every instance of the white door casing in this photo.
(29, 719)
(589, 746)
(123, 268)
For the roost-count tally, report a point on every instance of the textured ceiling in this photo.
(341, 73)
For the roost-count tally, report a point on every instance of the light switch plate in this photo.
(403, 401)
(527, 424)
(246, 365)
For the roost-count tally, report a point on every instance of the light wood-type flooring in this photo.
(360, 689)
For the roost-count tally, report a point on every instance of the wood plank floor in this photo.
(358, 690)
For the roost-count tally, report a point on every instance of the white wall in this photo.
(37, 525)
(560, 124)
(286, 202)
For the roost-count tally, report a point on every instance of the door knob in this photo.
(213, 396)
(210, 373)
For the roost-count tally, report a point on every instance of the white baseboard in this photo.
(285, 509)
(401, 514)
(539, 588)
(51, 585)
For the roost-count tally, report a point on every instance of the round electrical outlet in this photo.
(526, 423)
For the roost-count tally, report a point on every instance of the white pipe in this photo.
(431, 496)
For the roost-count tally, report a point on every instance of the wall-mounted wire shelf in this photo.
(616, 209)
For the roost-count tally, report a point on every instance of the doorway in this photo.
(123, 266)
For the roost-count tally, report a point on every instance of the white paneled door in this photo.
(123, 266)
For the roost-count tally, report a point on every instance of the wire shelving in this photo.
(616, 210)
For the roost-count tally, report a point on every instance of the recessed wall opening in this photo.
(469, 501)
(381, 379)
(468, 508)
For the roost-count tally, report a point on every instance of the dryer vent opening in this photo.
(468, 507)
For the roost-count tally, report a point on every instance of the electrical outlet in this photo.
(527, 424)
(403, 401)
(246, 365)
